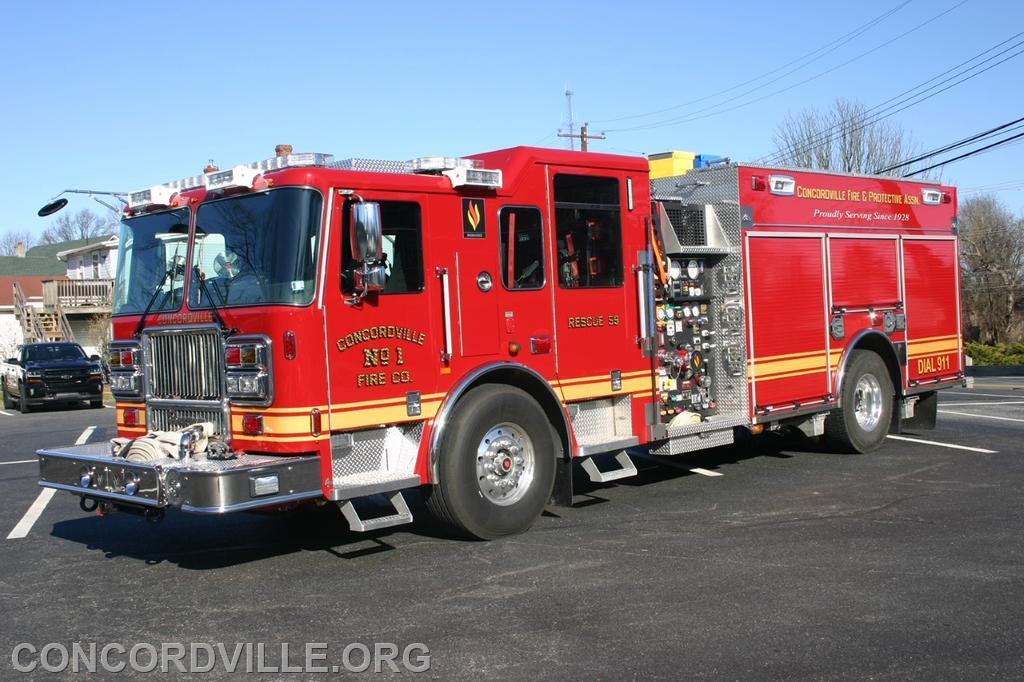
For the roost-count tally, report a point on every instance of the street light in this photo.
(58, 202)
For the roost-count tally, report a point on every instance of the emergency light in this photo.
(461, 172)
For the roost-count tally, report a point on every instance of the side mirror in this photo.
(370, 278)
(367, 235)
(13, 361)
(94, 358)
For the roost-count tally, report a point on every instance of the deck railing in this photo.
(78, 293)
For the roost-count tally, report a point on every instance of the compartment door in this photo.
(787, 325)
(932, 286)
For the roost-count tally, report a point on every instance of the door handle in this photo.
(446, 354)
(540, 345)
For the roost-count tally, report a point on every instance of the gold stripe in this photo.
(380, 415)
(817, 362)
(932, 355)
(916, 349)
(604, 388)
(772, 358)
(280, 439)
(934, 338)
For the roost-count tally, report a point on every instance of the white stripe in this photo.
(705, 472)
(7, 414)
(984, 402)
(109, 407)
(981, 416)
(85, 435)
(971, 394)
(21, 461)
(33, 513)
(943, 445)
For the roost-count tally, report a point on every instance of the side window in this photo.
(522, 247)
(588, 227)
(403, 248)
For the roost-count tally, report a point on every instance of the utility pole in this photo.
(584, 136)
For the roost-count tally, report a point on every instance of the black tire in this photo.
(94, 404)
(23, 405)
(8, 403)
(458, 498)
(844, 432)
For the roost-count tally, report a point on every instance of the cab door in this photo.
(382, 354)
(595, 240)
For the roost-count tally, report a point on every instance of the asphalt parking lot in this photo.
(773, 560)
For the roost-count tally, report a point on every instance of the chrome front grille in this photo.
(177, 418)
(184, 364)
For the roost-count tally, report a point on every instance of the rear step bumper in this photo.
(197, 485)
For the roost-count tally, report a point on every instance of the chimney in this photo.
(19, 249)
(210, 167)
(283, 149)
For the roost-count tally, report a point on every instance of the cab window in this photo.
(522, 247)
(588, 227)
(403, 248)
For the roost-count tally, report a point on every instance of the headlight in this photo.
(247, 360)
(126, 378)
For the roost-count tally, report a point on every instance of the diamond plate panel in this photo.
(388, 450)
(603, 419)
(373, 165)
(698, 441)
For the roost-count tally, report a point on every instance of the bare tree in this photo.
(845, 138)
(9, 241)
(992, 255)
(82, 225)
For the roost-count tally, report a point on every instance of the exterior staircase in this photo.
(41, 322)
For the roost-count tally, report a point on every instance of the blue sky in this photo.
(121, 96)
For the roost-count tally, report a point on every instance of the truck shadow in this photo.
(202, 543)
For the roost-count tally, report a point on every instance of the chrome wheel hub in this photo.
(867, 402)
(505, 464)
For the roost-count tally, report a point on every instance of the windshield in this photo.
(55, 351)
(151, 246)
(257, 249)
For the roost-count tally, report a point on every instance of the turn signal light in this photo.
(252, 424)
(758, 183)
(131, 417)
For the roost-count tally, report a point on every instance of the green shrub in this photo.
(999, 354)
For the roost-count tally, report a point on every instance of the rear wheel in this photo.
(497, 463)
(862, 422)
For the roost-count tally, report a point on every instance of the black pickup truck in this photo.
(51, 372)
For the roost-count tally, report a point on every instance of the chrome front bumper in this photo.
(195, 485)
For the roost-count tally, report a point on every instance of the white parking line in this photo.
(705, 472)
(943, 445)
(21, 461)
(33, 513)
(981, 416)
(7, 414)
(674, 465)
(971, 394)
(985, 402)
(36, 510)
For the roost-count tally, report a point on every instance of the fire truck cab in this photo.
(300, 329)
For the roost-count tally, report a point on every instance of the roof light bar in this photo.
(157, 194)
(239, 176)
(433, 164)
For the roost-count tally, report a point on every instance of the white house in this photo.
(92, 261)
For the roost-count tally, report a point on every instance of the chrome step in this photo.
(625, 470)
(361, 525)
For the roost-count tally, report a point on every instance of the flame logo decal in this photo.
(473, 215)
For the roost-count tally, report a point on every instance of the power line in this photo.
(824, 49)
(952, 146)
(966, 155)
(830, 134)
(707, 112)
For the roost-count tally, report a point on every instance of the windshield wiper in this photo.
(213, 305)
(152, 300)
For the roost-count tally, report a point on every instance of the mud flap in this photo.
(924, 413)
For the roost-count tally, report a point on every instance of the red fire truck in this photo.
(301, 330)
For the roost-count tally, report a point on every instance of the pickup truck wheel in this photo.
(867, 397)
(8, 403)
(497, 464)
(96, 403)
(23, 405)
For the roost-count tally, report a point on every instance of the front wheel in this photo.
(23, 405)
(862, 422)
(497, 464)
(8, 403)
